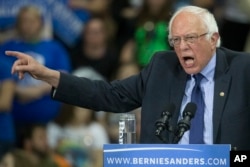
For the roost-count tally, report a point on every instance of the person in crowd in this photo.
(125, 14)
(95, 49)
(34, 150)
(7, 91)
(198, 73)
(99, 8)
(94, 6)
(9, 11)
(77, 135)
(32, 102)
(150, 33)
(91, 73)
(235, 19)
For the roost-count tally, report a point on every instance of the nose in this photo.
(183, 45)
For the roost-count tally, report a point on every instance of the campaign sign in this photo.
(127, 155)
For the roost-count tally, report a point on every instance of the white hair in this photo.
(206, 17)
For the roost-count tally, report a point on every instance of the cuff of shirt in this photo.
(53, 92)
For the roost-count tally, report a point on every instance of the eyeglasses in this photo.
(189, 38)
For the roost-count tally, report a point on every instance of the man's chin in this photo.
(192, 70)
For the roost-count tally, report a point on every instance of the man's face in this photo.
(95, 32)
(193, 56)
(30, 25)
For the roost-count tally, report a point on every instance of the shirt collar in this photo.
(208, 71)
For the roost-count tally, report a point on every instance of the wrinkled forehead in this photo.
(185, 23)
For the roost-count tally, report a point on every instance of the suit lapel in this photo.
(222, 82)
(176, 96)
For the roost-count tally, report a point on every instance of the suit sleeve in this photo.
(117, 96)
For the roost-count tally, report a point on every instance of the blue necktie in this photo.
(197, 123)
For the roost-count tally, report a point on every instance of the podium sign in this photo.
(128, 155)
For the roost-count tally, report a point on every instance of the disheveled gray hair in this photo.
(206, 17)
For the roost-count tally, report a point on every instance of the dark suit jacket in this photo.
(162, 82)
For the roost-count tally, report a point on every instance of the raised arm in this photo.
(26, 64)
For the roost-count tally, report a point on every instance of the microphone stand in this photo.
(162, 124)
(182, 126)
(185, 123)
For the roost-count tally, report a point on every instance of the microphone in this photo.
(163, 123)
(184, 124)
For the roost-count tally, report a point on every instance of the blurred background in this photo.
(98, 39)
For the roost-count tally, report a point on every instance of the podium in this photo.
(173, 155)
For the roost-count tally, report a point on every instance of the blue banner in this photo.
(65, 23)
(172, 155)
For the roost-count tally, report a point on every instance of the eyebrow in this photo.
(184, 35)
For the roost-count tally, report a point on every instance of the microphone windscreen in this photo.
(170, 108)
(190, 109)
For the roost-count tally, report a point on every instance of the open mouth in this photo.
(188, 58)
(188, 61)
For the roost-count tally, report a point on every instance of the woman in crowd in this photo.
(77, 135)
(95, 49)
(150, 34)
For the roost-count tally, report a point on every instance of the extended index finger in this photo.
(17, 54)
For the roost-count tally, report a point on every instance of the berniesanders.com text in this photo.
(166, 161)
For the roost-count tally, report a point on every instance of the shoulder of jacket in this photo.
(165, 54)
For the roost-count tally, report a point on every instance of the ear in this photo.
(214, 38)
